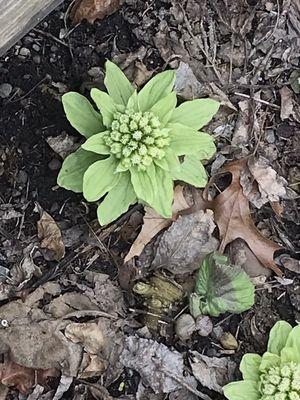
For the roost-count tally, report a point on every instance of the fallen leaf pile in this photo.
(233, 217)
(93, 9)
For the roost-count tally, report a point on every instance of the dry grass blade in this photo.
(232, 215)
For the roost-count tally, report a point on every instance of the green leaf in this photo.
(117, 201)
(191, 171)
(293, 342)
(117, 85)
(157, 88)
(133, 102)
(249, 367)
(169, 163)
(278, 337)
(268, 360)
(105, 104)
(99, 178)
(223, 287)
(74, 166)
(189, 141)
(164, 107)
(96, 144)
(293, 339)
(81, 114)
(242, 390)
(195, 113)
(155, 187)
(290, 354)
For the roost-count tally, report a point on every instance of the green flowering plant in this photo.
(137, 145)
(220, 287)
(276, 374)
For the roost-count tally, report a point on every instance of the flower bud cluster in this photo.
(137, 139)
(281, 383)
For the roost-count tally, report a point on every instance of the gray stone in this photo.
(5, 90)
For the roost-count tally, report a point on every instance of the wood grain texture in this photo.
(17, 17)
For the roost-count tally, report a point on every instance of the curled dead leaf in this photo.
(50, 237)
(23, 378)
(154, 223)
(233, 217)
(93, 9)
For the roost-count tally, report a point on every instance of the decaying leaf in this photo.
(212, 372)
(154, 223)
(63, 144)
(261, 183)
(156, 364)
(287, 102)
(41, 345)
(185, 244)
(233, 217)
(23, 378)
(50, 237)
(93, 9)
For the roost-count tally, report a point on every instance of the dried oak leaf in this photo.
(50, 237)
(23, 378)
(154, 223)
(233, 217)
(93, 9)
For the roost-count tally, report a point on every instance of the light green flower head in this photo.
(133, 145)
(275, 375)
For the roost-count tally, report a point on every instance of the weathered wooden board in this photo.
(17, 17)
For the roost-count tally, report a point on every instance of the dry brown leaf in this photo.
(50, 237)
(232, 215)
(287, 102)
(154, 223)
(93, 9)
(23, 378)
(261, 183)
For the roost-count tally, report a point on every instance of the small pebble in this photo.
(94, 72)
(36, 47)
(37, 59)
(5, 90)
(54, 164)
(204, 325)
(184, 326)
(24, 52)
(228, 341)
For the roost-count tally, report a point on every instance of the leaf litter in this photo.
(234, 43)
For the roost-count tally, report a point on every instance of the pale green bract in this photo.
(276, 374)
(220, 287)
(132, 148)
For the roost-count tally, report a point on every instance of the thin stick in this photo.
(246, 96)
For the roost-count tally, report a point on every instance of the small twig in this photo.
(186, 385)
(49, 35)
(231, 57)
(31, 90)
(89, 313)
(246, 96)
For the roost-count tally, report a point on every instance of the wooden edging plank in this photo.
(17, 17)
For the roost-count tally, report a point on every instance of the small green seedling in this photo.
(220, 287)
(132, 149)
(276, 374)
